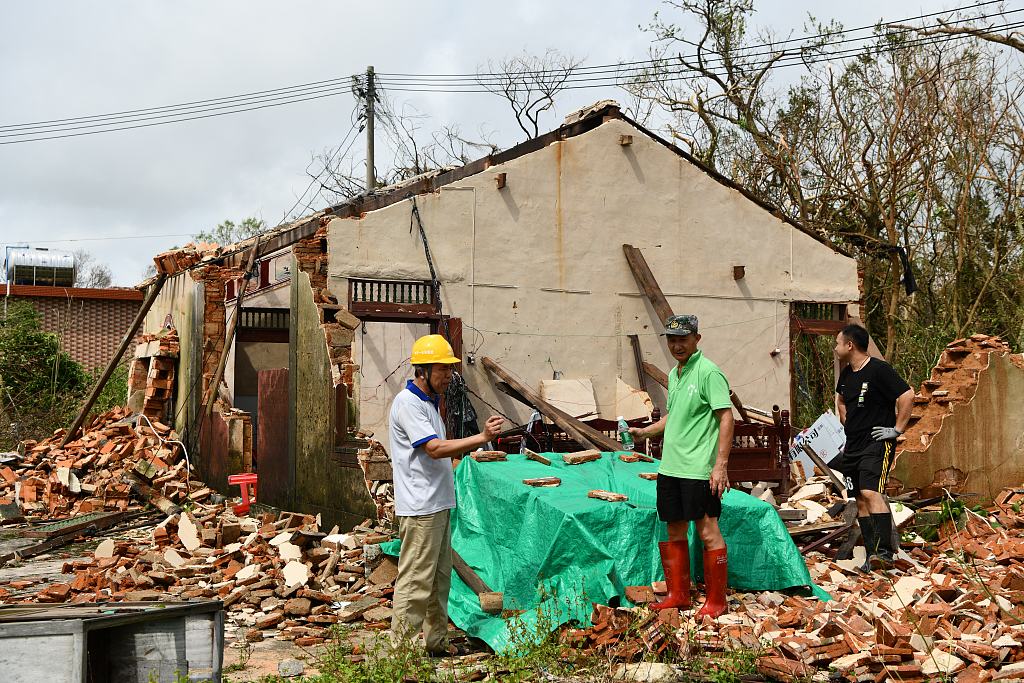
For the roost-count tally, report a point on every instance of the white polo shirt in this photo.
(423, 485)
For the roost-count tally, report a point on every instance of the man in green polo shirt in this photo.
(693, 476)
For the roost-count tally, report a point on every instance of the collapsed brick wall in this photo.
(954, 381)
(151, 374)
(214, 280)
(336, 321)
(965, 430)
(339, 325)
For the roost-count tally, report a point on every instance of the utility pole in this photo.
(371, 181)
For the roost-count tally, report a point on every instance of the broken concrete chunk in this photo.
(289, 551)
(814, 490)
(356, 609)
(939, 662)
(247, 572)
(174, 559)
(283, 537)
(188, 533)
(295, 574)
(385, 573)
(105, 549)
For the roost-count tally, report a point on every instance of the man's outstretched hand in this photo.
(493, 427)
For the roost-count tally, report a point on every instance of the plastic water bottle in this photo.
(624, 436)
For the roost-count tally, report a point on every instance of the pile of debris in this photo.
(953, 608)
(97, 471)
(276, 572)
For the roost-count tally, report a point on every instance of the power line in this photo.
(40, 130)
(772, 48)
(216, 100)
(334, 155)
(770, 64)
(597, 76)
(179, 120)
(111, 237)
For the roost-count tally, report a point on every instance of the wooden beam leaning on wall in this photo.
(158, 285)
(657, 374)
(648, 285)
(578, 431)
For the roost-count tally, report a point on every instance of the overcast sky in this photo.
(68, 59)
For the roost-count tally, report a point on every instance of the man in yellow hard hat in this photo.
(425, 494)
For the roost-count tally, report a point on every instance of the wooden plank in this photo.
(656, 373)
(158, 285)
(146, 491)
(581, 433)
(490, 601)
(647, 283)
(634, 341)
(830, 536)
(815, 528)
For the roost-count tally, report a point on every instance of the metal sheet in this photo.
(272, 440)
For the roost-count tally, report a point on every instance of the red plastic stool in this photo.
(244, 481)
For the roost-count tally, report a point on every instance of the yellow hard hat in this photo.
(432, 348)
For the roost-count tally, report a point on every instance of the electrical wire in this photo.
(327, 164)
(770, 64)
(597, 76)
(188, 462)
(112, 237)
(806, 38)
(584, 74)
(178, 120)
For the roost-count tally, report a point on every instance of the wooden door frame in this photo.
(810, 327)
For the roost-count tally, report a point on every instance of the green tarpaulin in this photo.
(554, 551)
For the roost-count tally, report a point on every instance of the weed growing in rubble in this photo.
(244, 654)
(385, 662)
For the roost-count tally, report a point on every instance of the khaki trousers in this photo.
(424, 579)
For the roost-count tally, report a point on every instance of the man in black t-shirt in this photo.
(874, 405)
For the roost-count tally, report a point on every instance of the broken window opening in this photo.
(813, 367)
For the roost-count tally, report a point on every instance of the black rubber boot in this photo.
(886, 554)
(867, 530)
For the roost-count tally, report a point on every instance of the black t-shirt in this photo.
(870, 396)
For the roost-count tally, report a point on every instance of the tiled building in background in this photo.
(89, 322)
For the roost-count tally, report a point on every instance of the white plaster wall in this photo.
(537, 273)
(382, 352)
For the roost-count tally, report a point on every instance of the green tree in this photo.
(40, 385)
(229, 232)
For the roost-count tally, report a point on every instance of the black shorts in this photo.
(684, 500)
(866, 470)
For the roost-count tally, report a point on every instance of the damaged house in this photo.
(517, 257)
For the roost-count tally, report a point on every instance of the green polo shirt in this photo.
(695, 392)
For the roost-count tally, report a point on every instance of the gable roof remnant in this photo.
(578, 123)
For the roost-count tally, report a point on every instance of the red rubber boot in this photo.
(675, 559)
(716, 574)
